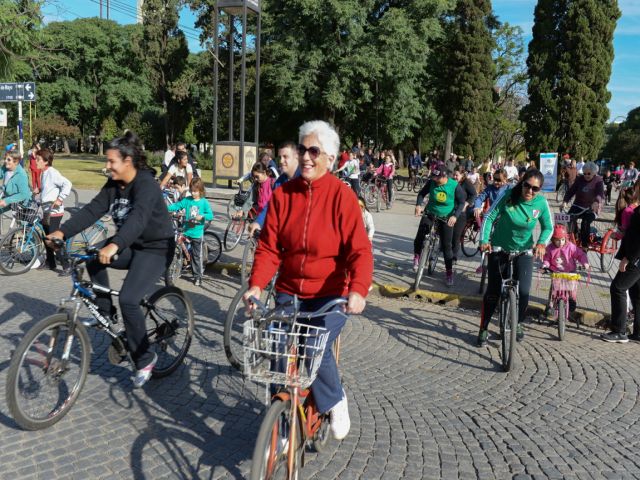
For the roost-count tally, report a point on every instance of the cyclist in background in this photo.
(144, 241)
(314, 235)
(461, 176)
(387, 170)
(485, 199)
(588, 190)
(15, 182)
(513, 218)
(446, 200)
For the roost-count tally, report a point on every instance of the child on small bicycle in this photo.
(563, 256)
(367, 218)
(197, 212)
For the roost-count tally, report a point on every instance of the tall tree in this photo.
(466, 74)
(541, 114)
(20, 22)
(584, 69)
(90, 73)
(624, 141)
(162, 48)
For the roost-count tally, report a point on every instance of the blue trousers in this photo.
(327, 387)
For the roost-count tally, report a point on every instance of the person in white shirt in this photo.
(351, 170)
(179, 169)
(168, 156)
(511, 170)
(580, 166)
(54, 189)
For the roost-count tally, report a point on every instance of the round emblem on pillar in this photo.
(227, 160)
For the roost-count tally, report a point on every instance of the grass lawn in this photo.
(85, 171)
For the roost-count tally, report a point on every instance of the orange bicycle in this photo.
(284, 349)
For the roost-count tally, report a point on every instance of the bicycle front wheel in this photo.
(234, 322)
(247, 259)
(174, 270)
(169, 323)
(399, 182)
(271, 453)
(469, 240)
(19, 250)
(608, 249)
(72, 200)
(423, 261)
(508, 329)
(563, 314)
(213, 247)
(233, 233)
(432, 261)
(42, 382)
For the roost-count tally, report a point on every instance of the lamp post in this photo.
(235, 156)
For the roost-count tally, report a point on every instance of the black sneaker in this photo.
(635, 337)
(613, 337)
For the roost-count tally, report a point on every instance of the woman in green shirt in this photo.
(509, 225)
(446, 202)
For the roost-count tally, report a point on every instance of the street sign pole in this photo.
(20, 128)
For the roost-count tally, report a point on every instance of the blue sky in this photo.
(625, 78)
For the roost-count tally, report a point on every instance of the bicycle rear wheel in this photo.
(213, 247)
(72, 200)
(608, 249)
(19, 250)
(272, 445)
(234, 322)
(247, 259)
(174, 270)
(399, 182)
(508, 329)
(563, 314)
(169, 323)
(42, 386)
(369, 192)
(469, 240)
(233, 233)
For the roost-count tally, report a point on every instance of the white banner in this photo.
(549, 168)
(3, 117)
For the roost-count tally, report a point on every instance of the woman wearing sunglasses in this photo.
(588, 190)
(509, 225)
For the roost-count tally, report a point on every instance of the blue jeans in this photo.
(327, 387)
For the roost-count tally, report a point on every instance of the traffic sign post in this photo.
(18, 92)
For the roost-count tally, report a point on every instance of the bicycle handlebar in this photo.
(517, 254)
(295, 314)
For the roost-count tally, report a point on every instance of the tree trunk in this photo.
(447, 148)
(65, 146)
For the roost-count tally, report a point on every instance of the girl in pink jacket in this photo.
(564, 256)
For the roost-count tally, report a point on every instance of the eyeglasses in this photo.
(588, 173)
(533, 188)
(314, 152)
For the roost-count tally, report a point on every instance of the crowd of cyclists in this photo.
(316, 232)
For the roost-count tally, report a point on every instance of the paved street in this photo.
(424, 402)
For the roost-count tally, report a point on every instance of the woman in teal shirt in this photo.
(15, 181)
(509, 225)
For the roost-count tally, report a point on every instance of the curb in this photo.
(587, 317)
(590, 318)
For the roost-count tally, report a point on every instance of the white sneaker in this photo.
(340, 421)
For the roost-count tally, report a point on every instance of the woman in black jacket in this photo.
(144, 241)
(627, 279)
(460, 175)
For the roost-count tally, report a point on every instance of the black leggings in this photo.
(51, 226)
(497, 269)
(144, 270)
(446, 235)
(458, 228)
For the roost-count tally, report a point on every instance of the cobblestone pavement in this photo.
(424, 402)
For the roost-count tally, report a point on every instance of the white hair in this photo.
(327, 136)
(592, 167)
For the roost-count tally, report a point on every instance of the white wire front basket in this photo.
(282, 353)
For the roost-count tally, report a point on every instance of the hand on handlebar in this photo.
(355, 303)
(106, 253)
(246, 298)
(418, 211)
(50, 239)
(253, 228)
(485, 247)
(539, 251)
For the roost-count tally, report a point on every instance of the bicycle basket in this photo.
(267, 359)
(566, 282)
(25, 213)
(240, 198)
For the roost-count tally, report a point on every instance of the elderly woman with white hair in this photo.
(588, 190)
(315, 237)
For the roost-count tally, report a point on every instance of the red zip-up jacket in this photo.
(314, 234)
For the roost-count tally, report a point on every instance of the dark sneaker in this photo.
(635, 337)
(483, 338)
(144, 374)
(519, 333)
(197, 282)
(613, 337)
(449, 278)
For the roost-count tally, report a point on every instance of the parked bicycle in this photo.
(237, 227)
(211, 251)
(430, 251)
(49, 367)
(284, 349)
(23, 245)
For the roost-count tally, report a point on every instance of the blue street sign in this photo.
(18, 92)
